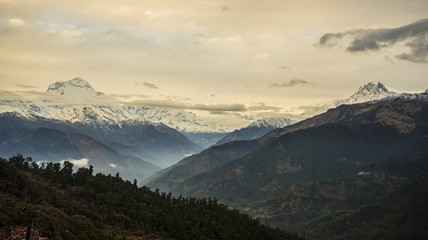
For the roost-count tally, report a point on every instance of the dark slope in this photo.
(199, 163)
(326, 152)
(404, 114)
(401, 214)
(291, 208)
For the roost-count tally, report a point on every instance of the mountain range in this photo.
(303, 177)
(343, 159)
(74, 107)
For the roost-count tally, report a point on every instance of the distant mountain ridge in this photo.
(256, 129)
(153, 142)
(52, 145)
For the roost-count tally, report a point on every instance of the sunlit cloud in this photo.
(16, 22)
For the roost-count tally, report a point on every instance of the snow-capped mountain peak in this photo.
(271, 122)
(370, 91)
(74, 87)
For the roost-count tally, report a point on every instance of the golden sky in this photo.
(261, 55)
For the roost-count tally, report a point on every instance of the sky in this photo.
(215, 55)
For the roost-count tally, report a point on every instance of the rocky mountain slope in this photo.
(342, 143)
(402, 113)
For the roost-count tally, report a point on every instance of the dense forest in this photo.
(52, 201)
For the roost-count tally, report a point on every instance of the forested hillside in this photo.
(56, 203)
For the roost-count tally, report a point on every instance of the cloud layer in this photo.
(212, 108)
(414, 36)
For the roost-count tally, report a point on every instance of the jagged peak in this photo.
(372, 87)
(74, 87)
(272, 121)
(370, 91)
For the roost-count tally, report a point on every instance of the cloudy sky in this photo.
(234, 55)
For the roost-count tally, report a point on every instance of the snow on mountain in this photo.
(77, 101)
(256, 129)
(74, 87)
(369, 92)
(271, 122)
(86, 114)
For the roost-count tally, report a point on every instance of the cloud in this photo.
(198, 106)
(263, 107)
(25, 86)
(43, 98)
(16, 22)
(126, 96)
(212, 108)
(146, 84)
(83, 162)
(290, 83)
(414, 36)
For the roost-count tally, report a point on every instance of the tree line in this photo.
(64, 204)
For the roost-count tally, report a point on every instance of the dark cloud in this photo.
(290, 83)
(325, 39)
(25, 86)
(146, 84)
(414, 36)
(283, 67)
